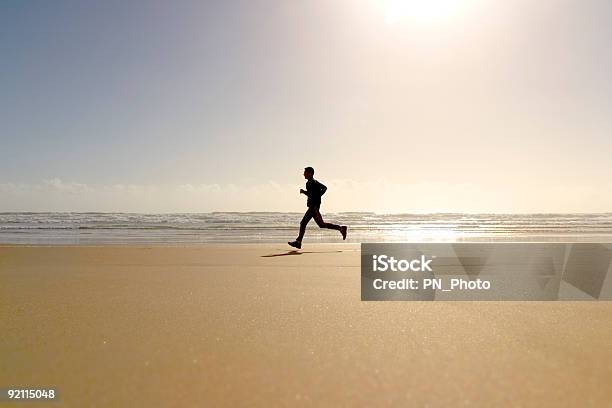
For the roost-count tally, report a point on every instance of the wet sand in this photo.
(257, 325)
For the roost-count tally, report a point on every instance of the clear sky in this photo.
(401, 106)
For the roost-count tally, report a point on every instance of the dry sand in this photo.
(128, 326)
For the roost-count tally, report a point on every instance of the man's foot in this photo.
(295, 244)
(343, 231)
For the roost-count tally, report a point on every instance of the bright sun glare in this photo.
(421, 11)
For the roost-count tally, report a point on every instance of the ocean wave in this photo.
(20, 227)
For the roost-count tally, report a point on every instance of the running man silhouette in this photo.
(314, 191)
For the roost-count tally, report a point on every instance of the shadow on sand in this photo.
(297, 252)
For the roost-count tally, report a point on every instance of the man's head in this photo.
(308, 172)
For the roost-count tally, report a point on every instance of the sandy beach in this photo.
(257, 325)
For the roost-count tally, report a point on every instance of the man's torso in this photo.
(314, 193)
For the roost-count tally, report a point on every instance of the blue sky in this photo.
(219, 105)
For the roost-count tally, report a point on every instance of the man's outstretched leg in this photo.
(305, 220)
(322, 224)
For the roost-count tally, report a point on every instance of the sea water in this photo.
(275, 227)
